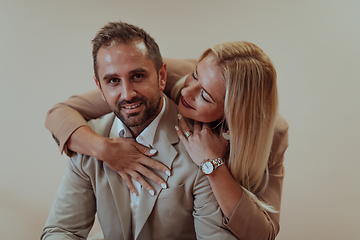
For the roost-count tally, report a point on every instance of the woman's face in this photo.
(203, 95)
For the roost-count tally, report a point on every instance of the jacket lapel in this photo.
(121, 195)
(164, 139)
(120, 191)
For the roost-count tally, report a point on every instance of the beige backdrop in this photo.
(45, 54)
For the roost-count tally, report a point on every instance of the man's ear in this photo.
(162, 76)
(99, 86)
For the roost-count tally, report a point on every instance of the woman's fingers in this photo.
(128, 182)
(206, 126)
(145, 167)
(131, 161)
(150, 174)
(181, 135)
(139, 178)
(146, 172)
(145, 150)
(184, 126)
(151, 162)
(138, 175)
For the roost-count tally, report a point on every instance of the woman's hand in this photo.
(123, 155)
(130, 159)
(202, 143)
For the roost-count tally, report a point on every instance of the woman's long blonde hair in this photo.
(251, 104)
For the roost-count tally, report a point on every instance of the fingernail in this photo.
(152, 151)
(177, 128)
(163, 185)
(168, 173)
(179, 116)
(151, 192)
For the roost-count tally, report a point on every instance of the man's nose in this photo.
(128, 92)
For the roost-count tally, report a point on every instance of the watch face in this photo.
(207, 168)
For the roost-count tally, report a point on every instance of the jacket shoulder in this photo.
(280, 142)
(281, 126)
(102, 125)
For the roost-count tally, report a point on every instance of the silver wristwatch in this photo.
(208, 166)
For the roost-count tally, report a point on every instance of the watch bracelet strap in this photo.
(218, 162)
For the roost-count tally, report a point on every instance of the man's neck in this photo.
(137, 130)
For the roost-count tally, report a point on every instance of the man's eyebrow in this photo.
(138, 70)
(110, 76)
(114, 75)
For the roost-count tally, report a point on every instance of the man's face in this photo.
(130, 84)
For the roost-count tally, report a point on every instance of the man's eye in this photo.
(113, 80)
(138, 76)
(194, 76)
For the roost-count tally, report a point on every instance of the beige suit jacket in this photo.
(187, 209)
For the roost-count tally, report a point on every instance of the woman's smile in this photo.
(184, 102)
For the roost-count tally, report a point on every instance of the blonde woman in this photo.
(232, 93)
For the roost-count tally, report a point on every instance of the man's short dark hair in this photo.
(124, 33)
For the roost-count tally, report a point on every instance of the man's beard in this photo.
(139, 119)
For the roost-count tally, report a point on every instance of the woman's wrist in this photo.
(85, 141)
(227, 191)
(219, 172)
(98, 146)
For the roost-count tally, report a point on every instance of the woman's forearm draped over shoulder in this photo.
(247, 221)
(66, 117)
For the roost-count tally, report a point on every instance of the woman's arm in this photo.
(246, 215)
(65, 118)
(242, 216)
(204, 144)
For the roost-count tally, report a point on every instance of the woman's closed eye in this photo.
(204, 96)
(194, 76)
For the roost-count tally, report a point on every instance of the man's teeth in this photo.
(132, 106)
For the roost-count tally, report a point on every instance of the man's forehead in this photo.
(137, 45)
(141, 46)
(127, 58)
(122, 51)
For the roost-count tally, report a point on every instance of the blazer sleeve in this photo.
(247, 221)
(65, 117)
(73, 213)
(207, 213)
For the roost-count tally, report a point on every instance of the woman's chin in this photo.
(185, 113)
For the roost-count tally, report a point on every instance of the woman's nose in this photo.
(188, 92)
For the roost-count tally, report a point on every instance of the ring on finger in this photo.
(188, 134)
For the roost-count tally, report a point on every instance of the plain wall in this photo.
(45, 54)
